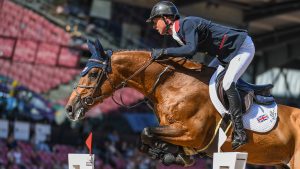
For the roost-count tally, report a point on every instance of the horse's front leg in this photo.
(168, 153)
(151, 134)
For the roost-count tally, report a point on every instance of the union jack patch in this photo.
(262, 118)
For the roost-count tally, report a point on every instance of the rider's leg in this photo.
(237, 66)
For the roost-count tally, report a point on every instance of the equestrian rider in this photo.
(231, 47)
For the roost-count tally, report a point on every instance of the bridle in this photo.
(90, 100)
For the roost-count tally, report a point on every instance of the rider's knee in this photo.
(227, 84)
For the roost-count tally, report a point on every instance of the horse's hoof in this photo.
(168, 159)
(185, 160)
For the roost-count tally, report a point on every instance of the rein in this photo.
(145, 100)
(124, 83)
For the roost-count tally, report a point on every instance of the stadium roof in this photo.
(268, 21)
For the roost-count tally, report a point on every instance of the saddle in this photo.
(249, 93)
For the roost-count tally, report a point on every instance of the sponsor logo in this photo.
(272, 114)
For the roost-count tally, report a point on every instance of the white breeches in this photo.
(238, 65)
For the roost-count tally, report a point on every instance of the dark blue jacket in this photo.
(201, 35)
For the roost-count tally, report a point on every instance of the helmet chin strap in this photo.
(168, 26)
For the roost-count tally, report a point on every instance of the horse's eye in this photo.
(93, 75)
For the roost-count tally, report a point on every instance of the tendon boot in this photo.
(180, 159)
(239, 136)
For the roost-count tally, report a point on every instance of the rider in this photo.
(231, 47)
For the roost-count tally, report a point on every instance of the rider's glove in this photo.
(156, 53)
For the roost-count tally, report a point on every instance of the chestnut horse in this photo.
(178, 90)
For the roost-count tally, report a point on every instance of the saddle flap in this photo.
(260, 94)
(260, 117)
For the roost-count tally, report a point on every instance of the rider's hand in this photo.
(156, 53)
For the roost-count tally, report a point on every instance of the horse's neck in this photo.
(127, 63)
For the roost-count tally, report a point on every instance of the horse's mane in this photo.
(176, 62)
(132, 50)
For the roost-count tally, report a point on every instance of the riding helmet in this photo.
(163, 8)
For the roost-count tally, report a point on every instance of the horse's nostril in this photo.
(69, 108)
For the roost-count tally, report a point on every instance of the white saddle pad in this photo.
(260, 118)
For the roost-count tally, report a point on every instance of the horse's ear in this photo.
(92, 48)
(99, 48)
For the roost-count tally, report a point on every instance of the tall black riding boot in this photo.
(239, 136)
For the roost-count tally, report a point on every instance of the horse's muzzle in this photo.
(75, 112)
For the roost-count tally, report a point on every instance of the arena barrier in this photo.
(230, 160)
(81, 161)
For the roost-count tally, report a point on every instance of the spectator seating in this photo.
(25, 51)
(36, 52)
(38, 78)
(47, 54)
(61, 151)
(35, 36)
(48, 160)
(68, 57)
(23, 23)
(6, 47)
(27, 37)
(4, 150)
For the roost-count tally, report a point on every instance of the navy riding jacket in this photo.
(201, 35)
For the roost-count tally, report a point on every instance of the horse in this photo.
(178, 90)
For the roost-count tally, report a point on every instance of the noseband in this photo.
(90, 100)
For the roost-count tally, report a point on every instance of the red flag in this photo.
(88, 142)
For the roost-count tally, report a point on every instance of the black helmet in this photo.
(163, 8)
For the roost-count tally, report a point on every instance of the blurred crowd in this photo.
(112, 153)
(29, 155)
(18, 102)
